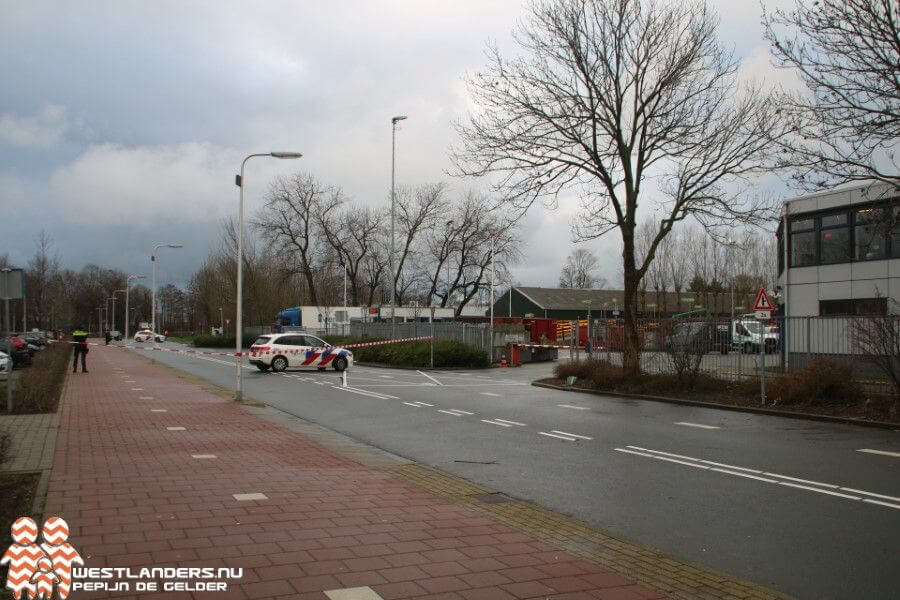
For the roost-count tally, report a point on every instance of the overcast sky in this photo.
(122, 123)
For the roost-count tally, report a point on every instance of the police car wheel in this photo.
(279, 364)
(340, 363)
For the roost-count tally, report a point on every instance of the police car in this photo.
(280, 351)
(145, 335)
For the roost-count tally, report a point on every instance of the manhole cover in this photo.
(495, 498)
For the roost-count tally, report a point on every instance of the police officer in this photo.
(79, 338)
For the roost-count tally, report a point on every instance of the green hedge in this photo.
(221, 341)
(415, 354)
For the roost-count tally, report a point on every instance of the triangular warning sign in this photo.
(762, 301)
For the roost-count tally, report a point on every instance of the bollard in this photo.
(344, 378)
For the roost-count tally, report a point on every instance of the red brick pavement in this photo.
(134, 496)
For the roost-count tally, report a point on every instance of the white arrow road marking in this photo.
(881, 452)
(698, 425)
(764, 476)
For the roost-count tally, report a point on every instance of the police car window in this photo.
(291, 340)
(261, 340)
(314, 341)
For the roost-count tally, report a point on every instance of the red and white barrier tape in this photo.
(383, 342)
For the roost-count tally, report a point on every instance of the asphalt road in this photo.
(789, 504)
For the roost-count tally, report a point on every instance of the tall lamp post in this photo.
(238, 325)
(493, 273)
(394, 121)
(153, 284)
(449, 225)
(127, 287)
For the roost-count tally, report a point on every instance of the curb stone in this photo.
(748, 409)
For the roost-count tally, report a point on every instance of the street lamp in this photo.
(127, 313)
(394, 121)
(238, 326)
(449, 225)
(153, 285)
(493, 273)
(113, 327)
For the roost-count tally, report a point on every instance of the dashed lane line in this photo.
(561, 437)
(511, 422)
(881, 452)
(495, 423)
(697, 425)
(574, 435)
(490, 394)
(573, 407)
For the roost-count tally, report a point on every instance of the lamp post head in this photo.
(174, 246)
(394, 120)
(286, 155)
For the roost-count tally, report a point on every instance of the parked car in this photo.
(4, 365)
(17, 350)
(699, 336)
(280, 351)
(748, 334)
(116, 335)
(145, 335)
(35, 338)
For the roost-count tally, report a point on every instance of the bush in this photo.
(822, 381)
(595, 372)
(447, 353)
(37, 388)
(222, 341)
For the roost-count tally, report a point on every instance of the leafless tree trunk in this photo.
(607, 94)
(847, 126)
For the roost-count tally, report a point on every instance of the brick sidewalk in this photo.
(138, 491)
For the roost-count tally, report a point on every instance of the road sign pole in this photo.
(762, 363)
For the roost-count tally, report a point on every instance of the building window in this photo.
(871, 234)
(858, 306)
(834, 239)
(803, 243)
(895, 235)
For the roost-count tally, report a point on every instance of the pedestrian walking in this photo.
(79, 337)
(107, 336)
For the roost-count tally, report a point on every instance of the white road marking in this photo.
(888, 504)
(865, 493)
(553, 435)
(465, 412)
(698, 425)
(158, 410)
(512, 422)
(175, 428)
(819, 483)
(203, 456)
(413, 404)
(423, 403)
(814, 486)
(496, 423)
(821, 491)
(881, 452)
(429, 377)
(573, 407)
(137, 389)
(353, 390)
(575, 435)
(449, 413)
(251, 496)
(386, 376)
(490, 394)
(145, 398)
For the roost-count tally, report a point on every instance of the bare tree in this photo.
(610, 93)
(289, 221)
(877, 338)
(846, 52)
(41, 279)
(417, 211)
(580, 270)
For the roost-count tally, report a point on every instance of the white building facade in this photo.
(842, 256)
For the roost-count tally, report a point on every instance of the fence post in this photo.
(762, 363)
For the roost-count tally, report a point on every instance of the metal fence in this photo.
(476, 335)
(734, 350)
